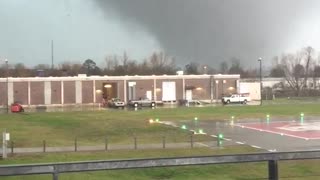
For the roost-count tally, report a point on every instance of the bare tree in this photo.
(20, 70)
(160, 63)
(70, 69)
(224, 68)
(111, 63)
(236, 67)
(296, 69)
(277, 71)
(3, 70)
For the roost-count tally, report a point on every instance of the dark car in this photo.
(116, 103)
(184, 102)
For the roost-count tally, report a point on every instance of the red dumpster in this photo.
(16, 107)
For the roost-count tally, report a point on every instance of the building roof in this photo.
(136, 77)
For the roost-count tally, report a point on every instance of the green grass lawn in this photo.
(91, 127)
(293, 100)
(191, 172)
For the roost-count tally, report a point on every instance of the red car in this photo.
(16, 108)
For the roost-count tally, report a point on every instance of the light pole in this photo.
(217, 89)
(260, 61)
(7, 76)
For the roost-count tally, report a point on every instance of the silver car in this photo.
(116, 103)
(143, 102)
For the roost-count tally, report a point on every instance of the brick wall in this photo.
(56, 92)
(142, 86)
(87, 92)
(224, 88)
(37, 93)
(20, 92)
(201, 89)
(69, 92)
(3, 94)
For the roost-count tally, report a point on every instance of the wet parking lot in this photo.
(277, 135)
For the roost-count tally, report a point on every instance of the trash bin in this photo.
(16, 108)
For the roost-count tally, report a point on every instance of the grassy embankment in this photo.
(91, 128)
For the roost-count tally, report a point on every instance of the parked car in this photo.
(116, 103)
(236, 98)
(184, 102)
(143, 102)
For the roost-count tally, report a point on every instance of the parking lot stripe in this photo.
(203, 144)
(258, 147)
(238, 142)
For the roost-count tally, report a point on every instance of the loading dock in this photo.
(110, 90)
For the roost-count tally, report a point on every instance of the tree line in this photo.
(297, 69)
(157, 64)
(304, 63)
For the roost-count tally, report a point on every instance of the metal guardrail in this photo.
(56, 169)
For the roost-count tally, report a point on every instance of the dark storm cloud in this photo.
(210, 31)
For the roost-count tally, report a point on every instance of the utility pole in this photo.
(52, 55)
(7, 83)
(260, 61)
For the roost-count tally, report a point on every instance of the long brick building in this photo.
(81, 89)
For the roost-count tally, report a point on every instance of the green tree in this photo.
(89, 67)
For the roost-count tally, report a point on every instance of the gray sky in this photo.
(79, 29)
(207, 31)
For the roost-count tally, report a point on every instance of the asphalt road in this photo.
(235, 134)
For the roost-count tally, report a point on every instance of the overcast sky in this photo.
(78, 28)
(207, 31)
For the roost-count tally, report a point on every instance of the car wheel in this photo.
(153, 104)
(135, 104)
(245, 101)
(228, 102)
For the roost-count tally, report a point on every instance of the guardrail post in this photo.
(4, 145)
(11, 145)
(135, 143)
(273, 169)
(163, 142)
(106, 144)
(55, 174)
(75, 144)
(191, 140)
(44, 145)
